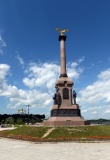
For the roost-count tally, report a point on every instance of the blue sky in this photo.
(29, 54)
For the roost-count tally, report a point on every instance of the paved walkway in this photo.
(22, 150)
(3, 129)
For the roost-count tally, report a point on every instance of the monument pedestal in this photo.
(67, 113)
(66, 116)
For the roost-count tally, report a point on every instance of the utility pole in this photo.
(28, 105)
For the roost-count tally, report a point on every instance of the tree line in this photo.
(21, 118)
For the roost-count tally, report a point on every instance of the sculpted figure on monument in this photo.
(57, 98)
(74, 96)
(62, 31)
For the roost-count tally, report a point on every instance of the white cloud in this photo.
(91, 66)
(84, 111)
(97, 94)
(19, 97)
(74, 70)
(40, 80)
(41, 75)
(46, 74)
(21, 61)
(81, 59)
(4, 70)
(33, 97)
(107, 111)
(104, 75)
(2, 44)
(94, 112)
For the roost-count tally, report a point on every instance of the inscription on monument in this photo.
(65, 112)
(65, 93)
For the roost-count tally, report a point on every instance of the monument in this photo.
(65, 110)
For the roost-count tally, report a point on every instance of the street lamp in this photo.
(28, 105)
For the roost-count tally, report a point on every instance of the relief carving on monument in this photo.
(65, 112)
(65, 93)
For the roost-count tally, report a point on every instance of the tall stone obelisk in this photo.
(62, 39)
(64, 112)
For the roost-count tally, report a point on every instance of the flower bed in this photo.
(60, 139)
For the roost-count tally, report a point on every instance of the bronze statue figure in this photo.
(74, 96)
(57, 98)
(62, 31)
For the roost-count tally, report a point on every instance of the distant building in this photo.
(21, 111)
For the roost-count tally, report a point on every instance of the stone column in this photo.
(62, 39)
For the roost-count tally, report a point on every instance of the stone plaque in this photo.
(65, 93)
(65, 112)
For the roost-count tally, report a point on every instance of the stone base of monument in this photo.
(66, 116)
(66, 121)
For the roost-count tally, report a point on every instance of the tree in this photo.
(9, 120)
(33, 121)
(19, 121)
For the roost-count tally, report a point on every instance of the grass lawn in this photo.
(99, 132)
(27, 131)
(82, 131)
